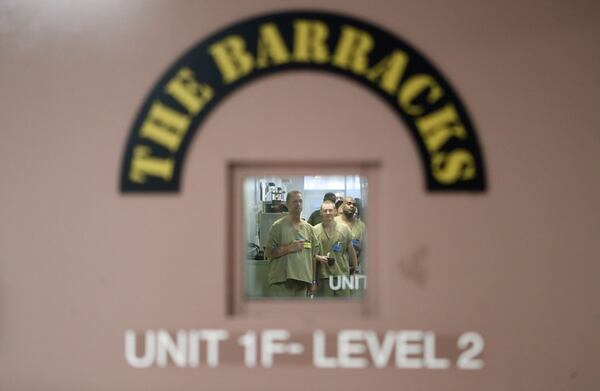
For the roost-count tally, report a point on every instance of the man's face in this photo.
(294, 204)
(349, 206)
(327, 211)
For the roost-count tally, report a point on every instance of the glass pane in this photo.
(301, 246)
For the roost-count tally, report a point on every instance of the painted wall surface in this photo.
(80, 262)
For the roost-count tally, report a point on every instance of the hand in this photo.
(321, 258)
(312, 288)
(296, 245)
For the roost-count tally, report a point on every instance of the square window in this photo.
(285, 237)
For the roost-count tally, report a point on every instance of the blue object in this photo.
(337, 248)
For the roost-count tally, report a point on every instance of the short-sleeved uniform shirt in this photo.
(296, 265)
(359, 232)
(336, 244)
(358, 229)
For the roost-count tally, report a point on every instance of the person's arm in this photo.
(316, 250)
(278, 252)
(313, 285)
(353, 257)
(318, 257)
(357, 245)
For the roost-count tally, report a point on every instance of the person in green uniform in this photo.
(292, 248)
(356, 225)
(336, 244)
(315, 217)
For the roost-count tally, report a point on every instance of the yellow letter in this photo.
(232, 58)
(165, 126)
(184, 88)
(390, 70)
(450, 167)
(143, 164)
(353, 49)
(310, 41)
(413, 87)
(271, 45)
(437, 127)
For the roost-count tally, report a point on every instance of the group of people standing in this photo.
(305, 256)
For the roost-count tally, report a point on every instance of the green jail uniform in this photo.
(297, 265)
(289, 288)
(359, 232)
(358, 229)
(342, 235)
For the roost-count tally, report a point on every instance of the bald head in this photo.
(348, 207)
